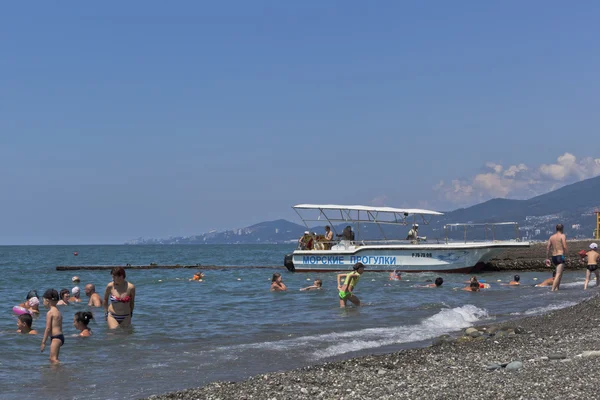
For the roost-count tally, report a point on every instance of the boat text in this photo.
(369, 260)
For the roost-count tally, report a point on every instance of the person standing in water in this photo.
(592, 265)
(277, 284)
(53, 329)
(350, 281)
(558, 244)
(119, 310)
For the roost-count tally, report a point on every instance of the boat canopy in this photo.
(366, 208)
(363, 214)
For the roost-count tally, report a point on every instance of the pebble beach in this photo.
(551, 356)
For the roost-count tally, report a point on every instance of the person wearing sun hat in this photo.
(593, 257)
(306, 241)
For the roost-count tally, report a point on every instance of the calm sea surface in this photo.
(230, 326)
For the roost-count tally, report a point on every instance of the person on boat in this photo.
(347, 234)
(119, 300)
(593, 257)
(306, 241)
(316, 286)
(395, 276)
(547, 282)
(413, 234)
(277, 284)
(558, 244)
(350, 281)
(328, 238)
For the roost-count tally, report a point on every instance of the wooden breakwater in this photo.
(157, 266)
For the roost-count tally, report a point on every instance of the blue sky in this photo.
(152, 119)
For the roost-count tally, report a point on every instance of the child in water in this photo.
(316, 286)
(24, 324)
(277, 284)
(81, 321)
(350, 281)
(53, 325)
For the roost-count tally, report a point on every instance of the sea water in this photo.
(230, 326)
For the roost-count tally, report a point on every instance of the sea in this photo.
(230, 326)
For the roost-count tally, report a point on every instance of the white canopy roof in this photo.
(366, 208)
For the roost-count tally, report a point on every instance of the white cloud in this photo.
(518, 181)
(378, 201)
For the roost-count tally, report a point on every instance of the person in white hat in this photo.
(306, 241)
(413, 234)
(75, 294)
(592, 265)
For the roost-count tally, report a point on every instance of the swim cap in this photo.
(75, 290)
(75, 279)
(34, 302)
(593, 246)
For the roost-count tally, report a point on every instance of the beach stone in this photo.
(468, 331)
(493, 330)
(381, 372)
(500, 333)
(475, 333)
(304, 390)
(494, 366)
(557, 356)
(514, 365)
(590, 354)
(519, 330)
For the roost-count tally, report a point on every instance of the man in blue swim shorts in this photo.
(558, 244)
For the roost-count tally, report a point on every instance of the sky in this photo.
(147, 119)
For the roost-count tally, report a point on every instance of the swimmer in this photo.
(438, 283)
(473, 287)
(277, 284)
(547, 282)
(24, 324)
(350, 281)
(514, 282)
(64, 297)
(395, 276)
(81, 321)
(316, 286)
(95, 299)
(32, 302)
(593, 257)
(198, 276)
(76, 293)
(558, 244)
(53, 329)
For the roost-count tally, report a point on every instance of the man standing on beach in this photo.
(558, 243)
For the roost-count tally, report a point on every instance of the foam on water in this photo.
(445, 321)
(551, 307)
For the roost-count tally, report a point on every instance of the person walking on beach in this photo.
(350, 281)
(558, 244)
(277, 284)
(592, 265)
(53, 326)
(119, 310)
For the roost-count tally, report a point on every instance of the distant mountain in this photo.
(572, 205)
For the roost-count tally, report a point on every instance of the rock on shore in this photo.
(533, 258)
(553, 356)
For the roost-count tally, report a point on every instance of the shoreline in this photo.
(555, 355)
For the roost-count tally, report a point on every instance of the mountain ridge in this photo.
(572, 205)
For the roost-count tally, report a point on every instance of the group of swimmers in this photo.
(118, 303)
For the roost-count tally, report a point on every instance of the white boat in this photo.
(393, 254)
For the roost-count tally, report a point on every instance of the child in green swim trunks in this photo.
(350, 281)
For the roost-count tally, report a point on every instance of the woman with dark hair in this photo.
(81, 321)
(119, 310)
(64, 297)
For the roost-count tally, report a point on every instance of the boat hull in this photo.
(451, 257)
